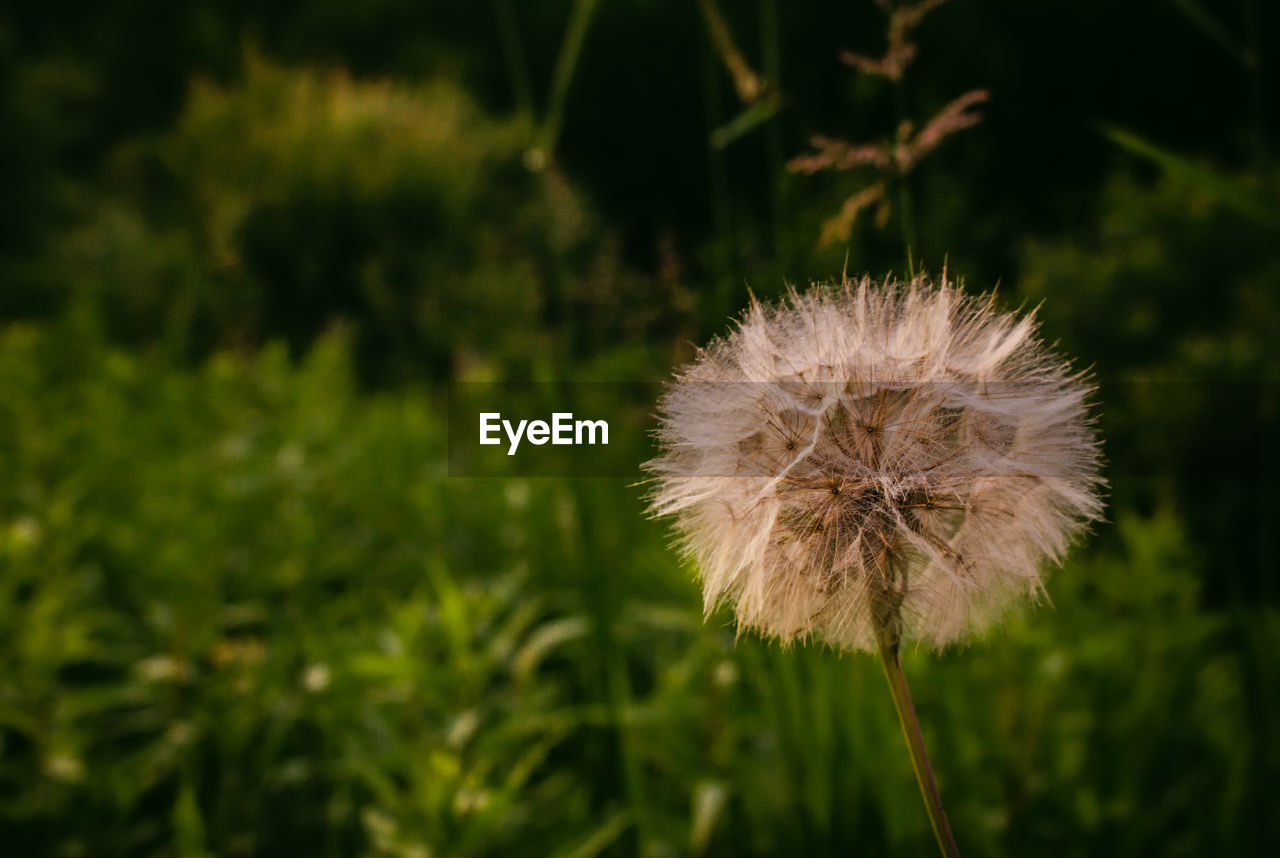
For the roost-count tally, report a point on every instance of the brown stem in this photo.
(888, 640)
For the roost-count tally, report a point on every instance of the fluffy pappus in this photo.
(873, 455)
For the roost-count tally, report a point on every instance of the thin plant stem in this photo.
(513, 52)
(1257, 83)
(887, 638)
(562, 77)
(748, 84)
(722, 246)
(906, 217)
(778, 176)
(906, 211)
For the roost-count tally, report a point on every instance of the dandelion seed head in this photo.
(865, 450)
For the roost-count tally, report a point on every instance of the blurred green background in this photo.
(243, 250)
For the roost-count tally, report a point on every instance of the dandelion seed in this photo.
(866, 460)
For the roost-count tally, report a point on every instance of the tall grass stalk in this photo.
(513, 51)
(779, 179)
(722, 252)
(906, 209)
(562, 77)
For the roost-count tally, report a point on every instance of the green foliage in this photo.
(299, 198)
(244, 611)
(227, 601)
(1170, 280)
(1170, 296)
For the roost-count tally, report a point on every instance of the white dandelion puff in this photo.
(866, 457)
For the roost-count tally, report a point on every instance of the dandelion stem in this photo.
(887, 638)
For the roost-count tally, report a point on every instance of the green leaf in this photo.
(757, 114)
(603, 835)
(1231, 193)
